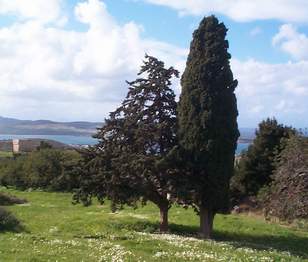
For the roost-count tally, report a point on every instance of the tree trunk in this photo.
(163, 226)
(206, 222)
(212, 216)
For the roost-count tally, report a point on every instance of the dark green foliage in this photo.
(8, 222)
(49, 169)
(8, 200)
(207, 111)
(124, 166)
(44, 145)
(288, 194)
(256, 166)
(68, 180)
(12, 173)
(96, 171)
(42, 168)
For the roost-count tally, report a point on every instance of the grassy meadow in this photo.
(56, 230)
(5, 154)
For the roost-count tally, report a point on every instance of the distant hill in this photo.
(13, 126)
(247, 134)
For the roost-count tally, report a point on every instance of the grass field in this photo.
(5, 154)
(55, 230)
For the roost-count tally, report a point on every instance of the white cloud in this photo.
(242, 10)
(42, 10)
(50, 72)
(267, 90)
(256, 109)
(46, 70)
(289, 40)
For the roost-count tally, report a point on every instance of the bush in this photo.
(256, 166)
(12, 172)
(7, 200)
(47, 168)
(288, 196)
(8, 222)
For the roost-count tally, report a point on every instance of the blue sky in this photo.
(167, 25)
(74, 56)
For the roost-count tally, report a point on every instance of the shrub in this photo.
(47, 168)
(256, 166)
(8, 222)
(288, 196)
(12, 172)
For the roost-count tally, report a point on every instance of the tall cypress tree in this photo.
(208, 130)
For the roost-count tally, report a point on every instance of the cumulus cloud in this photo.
(242, 10)
(47, 71)
(56, 70)
(42, 10)
(267, 90)
(289, 40)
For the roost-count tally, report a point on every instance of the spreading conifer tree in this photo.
(208, 130)
(134, 140)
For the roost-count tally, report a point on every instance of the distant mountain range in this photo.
(247, 134)
(13, 126)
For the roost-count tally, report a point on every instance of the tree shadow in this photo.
(295, 245)
(13, 229)
(291, 243)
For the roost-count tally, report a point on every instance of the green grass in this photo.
(5, 154)
(55, 230)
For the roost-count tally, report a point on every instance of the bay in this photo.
(84, 140)
(66, 139)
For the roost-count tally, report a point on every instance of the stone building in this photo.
(16, 146)
(28, 145)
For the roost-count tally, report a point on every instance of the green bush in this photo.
(255, 167)
(8, 222)
(48, 169)
(287, 198)
(12, 172)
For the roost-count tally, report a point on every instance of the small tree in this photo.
(208, 129)
(256, 166)
(50, 169)
(136, 137)
(288, 197)
(43, 145)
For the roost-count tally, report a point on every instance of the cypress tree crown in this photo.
(207, 111)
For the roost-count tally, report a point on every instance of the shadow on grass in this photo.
(9, 200)
(295, 245)
(14, 229)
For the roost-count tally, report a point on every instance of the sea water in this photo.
(83, 140)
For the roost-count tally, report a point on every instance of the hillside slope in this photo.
(45, 127)
(56, 230)
(11, 126)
